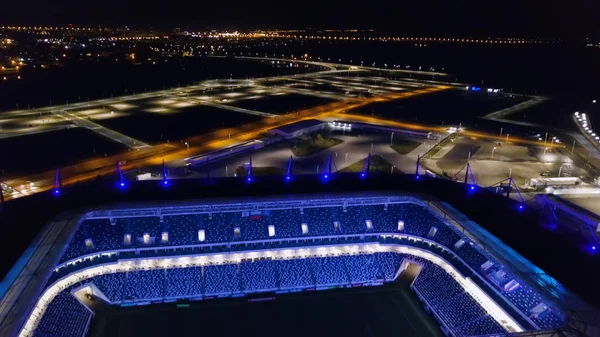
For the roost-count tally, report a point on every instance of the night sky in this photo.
(551, 18)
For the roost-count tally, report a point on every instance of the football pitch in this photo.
(389, 310)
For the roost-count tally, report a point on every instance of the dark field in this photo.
(176, 125)
(372, 311)
(281, 104)
(60, 84)
(446, 107)
(49, 150)
(557, 113)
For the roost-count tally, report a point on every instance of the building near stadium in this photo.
(149, 244)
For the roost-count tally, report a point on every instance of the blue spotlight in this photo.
(57, 192)
(472, 188)
(362, 175)
(418, 177)
(288, 178)
(521, 207)
(593, 247)
(166, 182)
(249, 179)
(326, 176)
(122, 184)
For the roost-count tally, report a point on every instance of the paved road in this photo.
(99, 129)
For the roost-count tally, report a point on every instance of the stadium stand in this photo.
(253, 228)
(329, 270)
(112, 285)
(320, 221)
(389, 264)
(295, 273)
(258, 275)
(287, 223)
(145, 284)
(363, 268)
(452, 304)
(436, 286)
(183, 229)
(221, 279)
(186, 282)
(218, 226)
(65, 317)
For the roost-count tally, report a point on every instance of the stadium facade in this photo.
(141, 253)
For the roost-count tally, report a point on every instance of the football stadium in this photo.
(335, 254)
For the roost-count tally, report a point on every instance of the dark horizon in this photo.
(552, 19)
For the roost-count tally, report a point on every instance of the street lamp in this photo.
(494, 149)
(560, 170)
(392, 139)
(188, 147)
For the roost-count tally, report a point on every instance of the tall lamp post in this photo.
(494, 149)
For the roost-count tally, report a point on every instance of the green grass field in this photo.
(389, 310)
(315, 143)
(404, 146)
(378, 164)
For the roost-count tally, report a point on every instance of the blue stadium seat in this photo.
(363, 268)
(389, 264)
(111, 285)
(353, 220)
(258, 275)
(76, 247)
(435, 285)
(183, 229)
(184, 282)
(144, 284)
(219, 227)
(383, 220)
(472, 256)
(221, 279)
(64, 317)
(287, 223)
(483, 325)
(329, 270)
(253, 229)
(295, 273)
(458, 310)
(319, 220)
